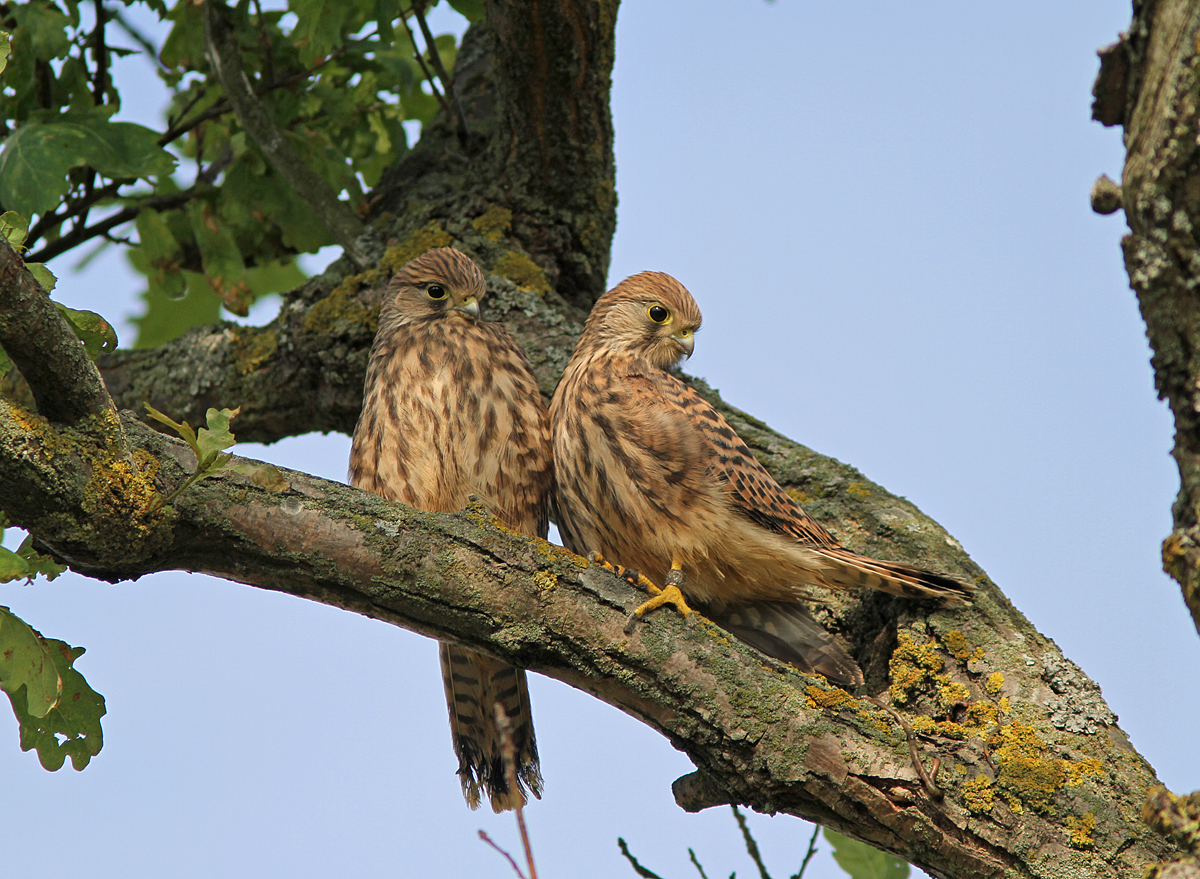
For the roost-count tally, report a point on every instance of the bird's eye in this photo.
(658, 314)
(436, 291)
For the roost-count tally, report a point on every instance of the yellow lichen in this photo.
(339, 307)
(1004, 705)
(426, 238)
(798, 496)
(960, 647)
(947, 729)
(951, 694)
(982, 713)
(1081, 828)
(858, 489)
(493, 223)
(911, 667)
(994, 683)
(545, 579)
(1078, 771)
(522, 271)
(978, 795)
(832, 700)
(1025, 772)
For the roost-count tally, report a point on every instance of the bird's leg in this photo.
(670, 595)
(629, 575)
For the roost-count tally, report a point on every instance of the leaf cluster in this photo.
(209, 217)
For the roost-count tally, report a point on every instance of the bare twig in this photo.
(137, 36)
(509, 752)
(808, 855)
(435, 58)
(483, 835)
(751, 844)
(103, 227)
(633, 862)
(928, 780)
(696, 862)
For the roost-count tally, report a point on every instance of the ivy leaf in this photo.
(38, 155)
(26, 661)
(70, 729)
(94, 331)
(861, 861)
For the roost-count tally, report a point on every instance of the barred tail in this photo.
(474, 684)
(789, 633)
(850, 570)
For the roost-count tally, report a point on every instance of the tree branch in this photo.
(337, 217)
(65, 383)
(761, 734)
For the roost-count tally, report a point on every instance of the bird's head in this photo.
(441, 284)
(650, 315)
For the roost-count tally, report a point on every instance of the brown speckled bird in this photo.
(651, 477)
(450, 410)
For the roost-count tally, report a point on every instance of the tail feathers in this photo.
(474, 685)
(850, 570)
(788, 632)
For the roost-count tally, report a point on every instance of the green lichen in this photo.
(522, 271)
(253, 349)
(493, 223)
(339, 311)
(1080, 828)
(978, 795)
(426, 238)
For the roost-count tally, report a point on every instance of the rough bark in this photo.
(1038, 780)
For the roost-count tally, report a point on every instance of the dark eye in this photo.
(658, 314)
(436, 291)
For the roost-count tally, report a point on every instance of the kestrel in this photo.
(650, 476)
(451, 410)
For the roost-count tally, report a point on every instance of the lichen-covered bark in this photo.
(1035, 778)
(1148, 84)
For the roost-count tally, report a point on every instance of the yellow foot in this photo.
(670, 595)
(629, 575)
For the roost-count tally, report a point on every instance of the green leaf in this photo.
(36, 562)
(48, 280)
(26, 661)
(216, 437)
(72, 728)
(263, 475)
(5, 44)
(47, 28)
(180, 427)
(861, 861)
(38, 155)
(224, 267)
(471, 10)
(167, 317)
(14, 228)
(94, 331)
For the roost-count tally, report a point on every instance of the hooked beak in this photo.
(686, 340)
(469, 307)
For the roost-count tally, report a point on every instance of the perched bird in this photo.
(450, 410)
(651, 477)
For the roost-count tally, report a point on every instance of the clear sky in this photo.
(882, 210)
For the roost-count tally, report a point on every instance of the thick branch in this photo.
(761, 734)
(35, 336)
(1152, 88)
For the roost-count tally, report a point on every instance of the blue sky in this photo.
(882, 210)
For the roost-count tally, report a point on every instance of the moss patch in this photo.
(493, 223)
(522, 271)
(254, 348)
